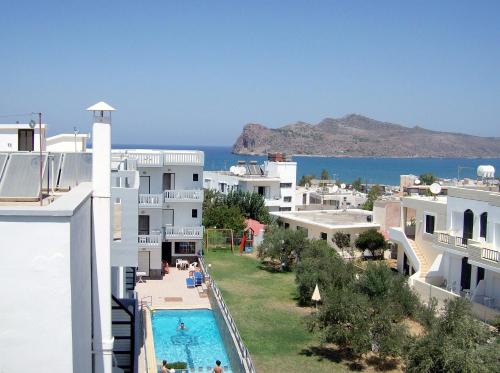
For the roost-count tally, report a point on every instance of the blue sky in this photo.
(194, 72)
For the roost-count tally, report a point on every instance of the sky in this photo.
(195, 72)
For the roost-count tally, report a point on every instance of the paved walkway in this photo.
(171, 292)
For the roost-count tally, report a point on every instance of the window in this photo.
(285, 209)
(194, 213)
(143, 224)
(299, 228)
(324, 236)
(185, 248)
(287, 199)
(483, 224)
(261, 190)
(429, 224)
(287, 225)
(195, 177)
(285, 185)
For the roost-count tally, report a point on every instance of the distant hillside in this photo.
(358, 136)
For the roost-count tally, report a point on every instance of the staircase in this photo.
(424, 265)
(130, 278)
(123, 329)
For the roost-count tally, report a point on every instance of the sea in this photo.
(371, 170)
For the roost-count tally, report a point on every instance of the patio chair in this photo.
(193, 266)
(190, 282)
(198, 278)
(178, 263)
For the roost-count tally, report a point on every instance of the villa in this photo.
(450, 245)
(275, 180)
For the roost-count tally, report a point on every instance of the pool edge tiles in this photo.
(200, 345)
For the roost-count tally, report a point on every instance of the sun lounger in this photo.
(198, 278)
(190, 282)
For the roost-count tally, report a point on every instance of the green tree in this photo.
(357, 184)
(252, 205)
(341, 240)
(324, 174)
(283, 246)
(223, 216)
(373, 194)
(456, 343)
(372, 241)
(427, 178)
(306, 179)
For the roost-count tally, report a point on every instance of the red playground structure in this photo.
(252, 229)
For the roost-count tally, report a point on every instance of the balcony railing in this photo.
(183, 195)
(184, 158)
(161, 158)
(150, 200)
(490, 254)
(149, 240)
(476, 251)
(184, 232)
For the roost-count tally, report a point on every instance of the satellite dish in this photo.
(417, 181)
(335, 188)
(435, 188)
(342, 186)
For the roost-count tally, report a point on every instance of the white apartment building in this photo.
(275, 180)
(329, 196)
(168, 217)
(450, 246)
(57, 259)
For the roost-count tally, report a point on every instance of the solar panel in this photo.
(21, 177)
(75, 168)
(3, 160)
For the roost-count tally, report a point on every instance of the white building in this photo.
(329, 196)
(57, 261)
(170, 199)
(22, 137)
(449, 245)
(323, 224)
(275, 180)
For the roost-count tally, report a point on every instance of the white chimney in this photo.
(101, 227)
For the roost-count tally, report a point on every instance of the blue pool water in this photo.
(200, 345)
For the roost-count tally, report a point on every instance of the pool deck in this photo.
(171, 292)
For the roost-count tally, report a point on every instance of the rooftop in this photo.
(331, 218)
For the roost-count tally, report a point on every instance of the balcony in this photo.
(482, 253)
(160, 158)
(169, 196)
(183, 196)
(151, 200)
(149, 240)
(175, 232)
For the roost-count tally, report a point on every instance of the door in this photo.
(168, 181)
(144, 262)
(465, 275)
(261, 190)
(25, 140)
(143, 224)
(168, 217)
(304, 199)
(166, 252)
(468, 224)
(145, 185)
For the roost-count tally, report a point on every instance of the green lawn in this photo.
(269, 321)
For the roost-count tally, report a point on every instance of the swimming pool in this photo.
(200, 345)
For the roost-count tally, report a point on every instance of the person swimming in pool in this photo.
(181, 326)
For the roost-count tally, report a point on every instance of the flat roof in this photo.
(332, 219)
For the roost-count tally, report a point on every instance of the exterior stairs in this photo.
(424, 264)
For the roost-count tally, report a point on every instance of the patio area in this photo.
(171, 292)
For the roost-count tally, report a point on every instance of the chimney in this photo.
(101, 243)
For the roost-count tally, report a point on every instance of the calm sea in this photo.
(371, 170)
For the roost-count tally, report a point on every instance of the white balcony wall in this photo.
(124, 192)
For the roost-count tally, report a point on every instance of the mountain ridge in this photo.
(355, 135)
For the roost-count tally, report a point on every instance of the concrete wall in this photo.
(67, 143)
(46, 268)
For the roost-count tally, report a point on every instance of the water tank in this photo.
(486, 171)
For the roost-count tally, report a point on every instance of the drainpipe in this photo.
(101, 227)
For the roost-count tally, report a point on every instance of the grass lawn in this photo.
(270, 323)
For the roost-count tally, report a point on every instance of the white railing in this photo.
(147, 159)
(490, 254)
(150, 200)
(188, 158)
(183, 195)
(244, 355)
(149, 240)
(184, 232)
(452, 240)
